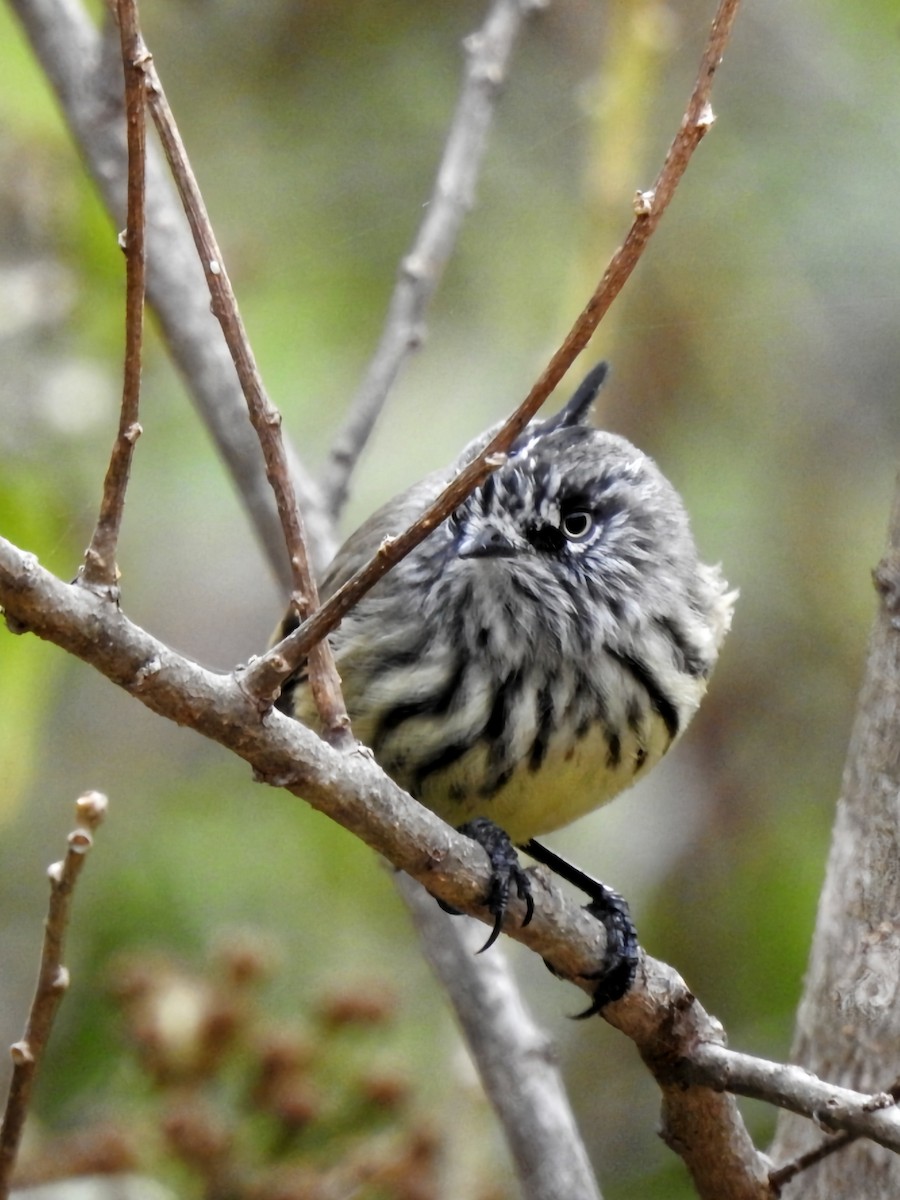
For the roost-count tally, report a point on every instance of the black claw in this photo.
(617, 974)
(506, 873)
(494, 934)
(620, 963)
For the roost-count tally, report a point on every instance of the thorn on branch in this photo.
(262, 679)
(473, 43)
(414, 268)
(300, 601)
(80, 841)
(61, 980)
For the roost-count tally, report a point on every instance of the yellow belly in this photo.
(574, 779)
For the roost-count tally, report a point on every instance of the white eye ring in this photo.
(577, 525)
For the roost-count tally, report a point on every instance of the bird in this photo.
(541, 650)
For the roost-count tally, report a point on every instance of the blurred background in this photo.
(755, 355)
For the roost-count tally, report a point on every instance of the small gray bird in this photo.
(544, 647)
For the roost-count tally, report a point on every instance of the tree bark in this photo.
(848, 1025)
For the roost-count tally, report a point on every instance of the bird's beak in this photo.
(488, 542)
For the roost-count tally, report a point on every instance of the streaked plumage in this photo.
(545, 646)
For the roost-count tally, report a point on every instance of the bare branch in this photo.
(826, 1147)
(487, 60)
(99, 568)
(679, 1041)
(696, 121)
(871, 1115)
(53, 979)
(86, 76)
(266, 419)
(513, 1056)
(347, 786)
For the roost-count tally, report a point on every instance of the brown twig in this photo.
(487, 60)
(649, 208)
(84, 75)
(873, 1115)
(781, 1176)
(265, 418)
(100, 568)
(53, 979)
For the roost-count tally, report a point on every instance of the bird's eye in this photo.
(577, 524)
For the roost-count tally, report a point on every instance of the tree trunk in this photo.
(848, 1026)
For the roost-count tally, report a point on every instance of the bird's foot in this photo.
(616, 975)
(620, 962)
(506, 874)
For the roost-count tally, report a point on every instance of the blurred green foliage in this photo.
(755, 356)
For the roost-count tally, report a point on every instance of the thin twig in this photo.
(99, 568)
(488, 54)
(783, 1175)
(864, 1114)
(85, 76)
(649, 207)
(266, 420)
(53, 979)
